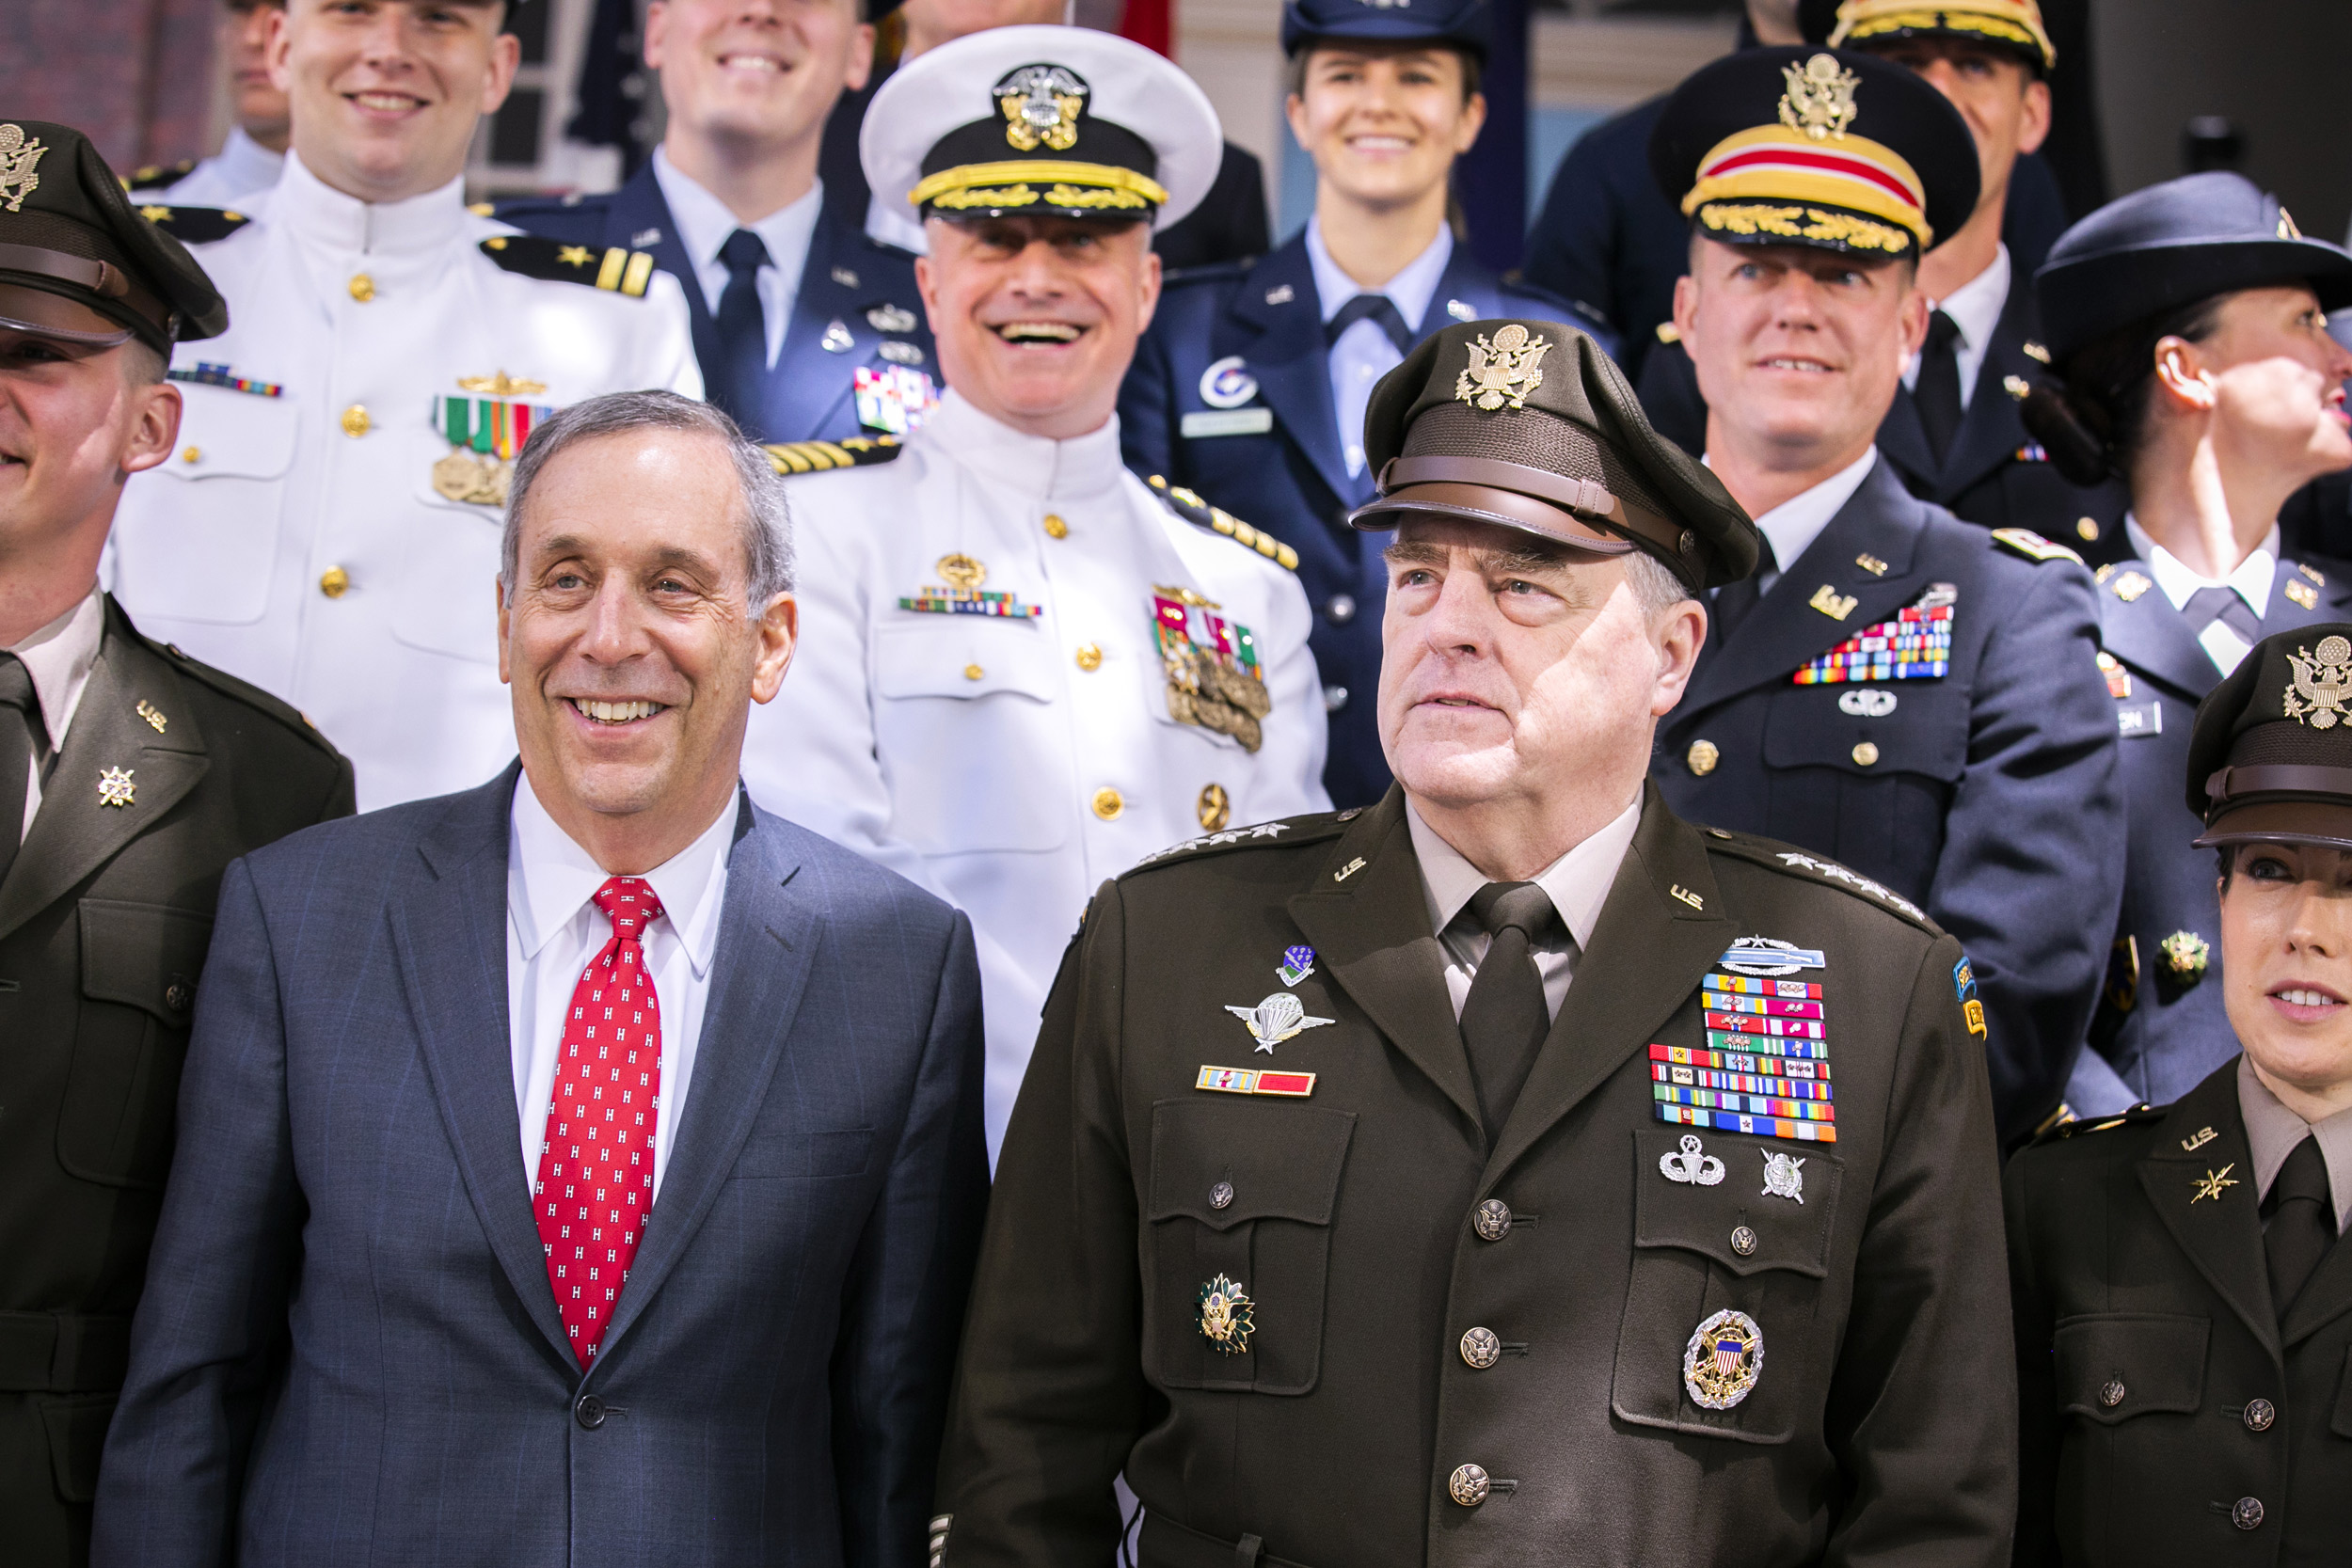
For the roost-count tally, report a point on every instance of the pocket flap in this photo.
(232, 435)
(2119, 1365)
(143, 956)
(962, 656)
(1734, 1219)
(1290, 1172)
(1924, 731)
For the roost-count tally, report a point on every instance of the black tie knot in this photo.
(2302, 1223)
(2305, 1176)
(1521, 906)
(744, 252)
(1380, 311)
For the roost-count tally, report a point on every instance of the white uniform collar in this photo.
(1004, 458)
(245, 165)
(705, 224)
(2179, 581)
(1579, 882)
(549, 879)
(1791, 527)
(1974, 307)
(59, 658)
(317, 213)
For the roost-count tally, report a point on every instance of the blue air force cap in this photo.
(1456, 23)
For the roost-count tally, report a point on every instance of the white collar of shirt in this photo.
(550, 878)
(1410, 290)
(317, 213)
(2273, 1130)
(1006, 459)
(1791, 527)
(1975, 308)
(59, 658)
(244, 163)
(2252, 577)
(1578, 882)
(703, 225)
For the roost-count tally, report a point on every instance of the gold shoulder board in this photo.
(1192, 509)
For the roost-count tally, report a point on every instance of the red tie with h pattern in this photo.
(595, 1159)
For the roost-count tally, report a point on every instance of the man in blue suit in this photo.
(1250, 388)
(585, 1169)
(804, 327)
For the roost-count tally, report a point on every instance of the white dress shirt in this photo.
(1791, 527)
(59, 658)
(1364, 353)
(705, 224)
(241, 171)
(1578, 881)
(554, 931)
(1975, 308)
(2250, 580)
(2272, 1132)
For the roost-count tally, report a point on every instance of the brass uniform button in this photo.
(2260, 1413)
(1702, 757)
(191, 454)
(1215, 808)
(1743, 1242)
(1054, 527)
(1865, 753)
(2087, 529)
(356, 422)
(2111, 1393)
(973, 671)
(1492, 1219)
(1221, 1196)
(1108, 803)
(2247, 1514)
(362, 287)
(1466, 1486)
(1089, 657)
(333, 581)
(1481, 1349)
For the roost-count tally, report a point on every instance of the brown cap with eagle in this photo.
(2270, 757)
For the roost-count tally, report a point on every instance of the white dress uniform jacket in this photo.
(296, 540)
(1009, 764)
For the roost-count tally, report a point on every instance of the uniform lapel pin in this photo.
(1297, 963)
(1276, 1018)
(155, 721)
(115, 787)
(2210, 1184)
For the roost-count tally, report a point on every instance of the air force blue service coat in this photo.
(2160, 1030)
(1231, 396)
(1987, 793)
(350, 1351)
(856, 298)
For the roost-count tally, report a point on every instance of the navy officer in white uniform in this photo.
(329, 526)
(1043, 669)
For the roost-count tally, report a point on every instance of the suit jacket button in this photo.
(1493, 1220)
(1865, 753)
(177, 996)
(1481, 1348)
(2112, 1394)
(2247, 1514)
(2260, 1413)
(589, 1411)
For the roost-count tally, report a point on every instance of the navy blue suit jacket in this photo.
(809, 392)
(1989, 795)
(1291, 478)
(349, 1351)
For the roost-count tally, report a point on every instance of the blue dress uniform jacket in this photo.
(1989, 795)
(1276, 461)
(2157, 1034)
(811, 386)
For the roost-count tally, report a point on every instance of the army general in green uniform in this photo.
(1509, 1172)
(129, 777)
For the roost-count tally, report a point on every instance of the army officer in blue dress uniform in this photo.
(1252, 385)
(2189, 330)
(1912, 695)
(804, 327)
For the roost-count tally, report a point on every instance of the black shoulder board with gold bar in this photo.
(160, 174)
(2025, 542)
(607, 267)
(1192, 509)
(817, 457)
(194, 225)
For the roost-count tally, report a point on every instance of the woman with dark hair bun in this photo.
(2188, 330)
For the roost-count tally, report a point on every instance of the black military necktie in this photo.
(1733, 600)
(2302, 1222)
(742, 331)
(1505, 1018)
(20, 719)
(1937, 396)
(2225, 605)
(1380, 311)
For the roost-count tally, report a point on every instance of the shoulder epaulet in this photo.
(159, 174)
(2065, 1124)
(610, 267)
(2101, 576)
(1207, 272)
(194, 225)
(2025, 542)
(242, 693)
(2318, 579)
(1775, 856)
(1192, 509)
(1264, 836)
(816, 458)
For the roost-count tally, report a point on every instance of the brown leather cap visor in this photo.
(48, 315)
(2266, 819)
(1578, 514)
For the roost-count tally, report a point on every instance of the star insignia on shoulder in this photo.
(574, 256)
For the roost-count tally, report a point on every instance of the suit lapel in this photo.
(639, 206)
(767, 938)
(1902, 440)
(2150, 636)
(449, 932)
(2221, 1233)
(75, 831)
(1992, 431)
(1662, 913)
(808, 382)
(1368, 917)
(1288, 357)
(2284, 613)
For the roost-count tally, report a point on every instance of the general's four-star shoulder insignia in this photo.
(1192, 509)
(613, 268)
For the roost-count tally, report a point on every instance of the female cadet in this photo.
(2183, 1311)
(2192, 359)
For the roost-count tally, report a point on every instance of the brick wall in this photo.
(134, 75)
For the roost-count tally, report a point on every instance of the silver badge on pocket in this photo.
(1724, 1359)
(1692, 1166)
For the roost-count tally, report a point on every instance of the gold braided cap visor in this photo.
(1106, 187)
(1770, 167)
(2017, 23)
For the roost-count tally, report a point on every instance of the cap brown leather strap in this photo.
(103, 279)
(1583, 496)
(2230, 783)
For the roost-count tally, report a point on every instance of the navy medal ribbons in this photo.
(1915, 645)
(221, 375)
(958, 592)
(1765, 1068)
(1225, 1315)
(485, 436)
(1214, 678)
(893, 400)
(1722, 1360)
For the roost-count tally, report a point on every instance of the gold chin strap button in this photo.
(356, 422)
(1089, 657)
(334, 582)
(362, 287)
(1108, 803)
(1865, 753)
(1054, 527)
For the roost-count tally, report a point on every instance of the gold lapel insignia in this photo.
(2210, 1184)
(1820, 99)
(1344, 872)
(2035, 351)
(1833, 604)
(18, 156)
(1502, 371)
(1042, 104)
(1689, 897)
(2131, 585)
(2017, 386)
(147, 710)
(2322, 681)
(500, 384)
(2302, 593)
(2318, 579)
(115, 787)
(1871, 564)
(2202, 1136)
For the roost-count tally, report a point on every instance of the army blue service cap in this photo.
(1458, 23)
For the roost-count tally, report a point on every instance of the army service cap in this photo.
(1042, 120)
(77, 261)
(2173, 244)
(1464, 24)
(1826, 147)
(2011, 25)
(1528, 425)
(2270, 756)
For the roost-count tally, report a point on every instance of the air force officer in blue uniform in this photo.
(1250, 388)
(804, 327)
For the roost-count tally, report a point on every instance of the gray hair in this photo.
(767, 522)
(1655, 588)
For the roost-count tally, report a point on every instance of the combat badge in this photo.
(1213, 680)
(1277, 1019)
(1784, 1176)
(1770, 956)
(1502, 371)
(1224, 1314)
(1691, 1166)
(1722, 1360)
(2322, 681)
(1764, 1066)
(1297, 963)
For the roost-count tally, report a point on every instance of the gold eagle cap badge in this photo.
(2322, 682)
(1820, 99)
(18, 156)
(1505, 371)
(1042, 104)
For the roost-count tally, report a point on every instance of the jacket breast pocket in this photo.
(1865, 772)
(448, 564)
(140, 964)
(203, 542)
(1233, 1197)
(2113, 1367)
(1728, 1244)
(783, 1155)
(951, 688)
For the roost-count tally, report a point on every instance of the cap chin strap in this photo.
(1587, 502)
(103, 279)
(2227, 785)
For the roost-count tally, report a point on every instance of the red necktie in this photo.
(595, 1159)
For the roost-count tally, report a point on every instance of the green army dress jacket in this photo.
(1467, 1355)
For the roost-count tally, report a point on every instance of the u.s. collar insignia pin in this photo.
(1297, 963)
(1276, 1018)
(115, 787)
(1784, 1176)
(147, 710)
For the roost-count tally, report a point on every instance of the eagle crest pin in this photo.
(1503, 372)
(1224, 1314)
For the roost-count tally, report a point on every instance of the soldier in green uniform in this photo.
(130, 776)
(1510, 1171)
(2184, 1311)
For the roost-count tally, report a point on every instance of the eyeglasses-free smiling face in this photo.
(385, 94)
(2271, 378)
(756, 71)
(2286, 964)
(1384, 125)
